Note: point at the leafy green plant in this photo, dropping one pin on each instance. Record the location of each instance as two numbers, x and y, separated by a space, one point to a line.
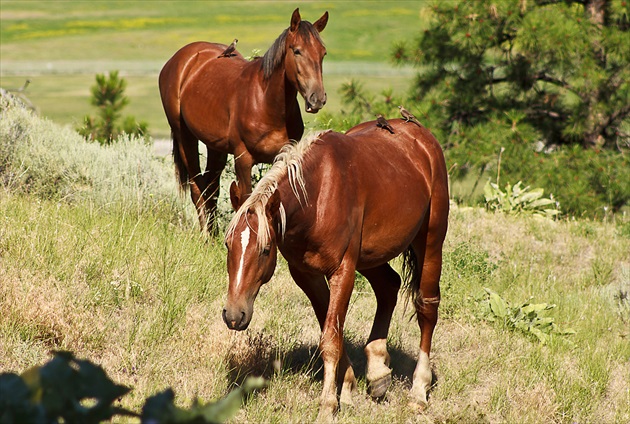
519 200
161 409
71 390
66 388
108 96
527 318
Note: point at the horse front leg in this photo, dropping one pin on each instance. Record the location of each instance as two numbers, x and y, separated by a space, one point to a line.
243 163
337 371
316 289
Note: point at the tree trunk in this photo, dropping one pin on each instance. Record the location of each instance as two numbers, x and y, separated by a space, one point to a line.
597 11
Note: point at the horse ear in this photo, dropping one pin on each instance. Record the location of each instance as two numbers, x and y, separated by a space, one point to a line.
235 196
320 24
273 204
295 19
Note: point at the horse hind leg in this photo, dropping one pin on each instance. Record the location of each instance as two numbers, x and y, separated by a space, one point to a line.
212 178
428 250
186 156
386 284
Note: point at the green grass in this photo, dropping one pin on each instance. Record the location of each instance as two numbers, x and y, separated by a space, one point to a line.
99 254
361 30
60 46
142 297
127 281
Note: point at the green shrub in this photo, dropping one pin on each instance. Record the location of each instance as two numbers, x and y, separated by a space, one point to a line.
108 96
519 200
49 161
586 182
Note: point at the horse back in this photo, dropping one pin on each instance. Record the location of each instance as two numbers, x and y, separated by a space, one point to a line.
186 64
411 157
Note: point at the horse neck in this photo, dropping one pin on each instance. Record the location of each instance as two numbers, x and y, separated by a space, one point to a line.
293 210
278 90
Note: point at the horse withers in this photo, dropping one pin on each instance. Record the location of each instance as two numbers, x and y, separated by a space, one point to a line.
336 203
245 108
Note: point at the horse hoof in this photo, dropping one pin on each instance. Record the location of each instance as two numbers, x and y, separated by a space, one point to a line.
325 416
346 398
418 405
378 388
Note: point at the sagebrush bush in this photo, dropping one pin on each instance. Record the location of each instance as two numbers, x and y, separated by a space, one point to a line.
49 161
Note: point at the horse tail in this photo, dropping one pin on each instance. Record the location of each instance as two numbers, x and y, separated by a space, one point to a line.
180 167
411 277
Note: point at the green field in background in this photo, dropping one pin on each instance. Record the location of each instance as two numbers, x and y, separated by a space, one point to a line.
61 45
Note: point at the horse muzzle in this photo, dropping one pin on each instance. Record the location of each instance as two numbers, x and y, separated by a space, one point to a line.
237 318
314 102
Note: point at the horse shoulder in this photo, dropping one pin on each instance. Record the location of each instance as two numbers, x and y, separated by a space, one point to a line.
320 234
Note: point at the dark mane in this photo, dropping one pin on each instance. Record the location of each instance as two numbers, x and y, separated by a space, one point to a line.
275 55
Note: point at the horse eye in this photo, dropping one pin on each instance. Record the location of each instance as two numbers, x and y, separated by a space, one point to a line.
266 251
297 52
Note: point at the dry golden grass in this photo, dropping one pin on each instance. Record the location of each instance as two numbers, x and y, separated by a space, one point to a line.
152 320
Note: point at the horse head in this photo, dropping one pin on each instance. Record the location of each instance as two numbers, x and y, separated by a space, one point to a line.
304 54
251 258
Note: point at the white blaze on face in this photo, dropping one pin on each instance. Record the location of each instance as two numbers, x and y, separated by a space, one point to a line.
244 244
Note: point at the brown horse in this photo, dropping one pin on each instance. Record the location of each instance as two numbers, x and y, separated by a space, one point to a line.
334 204
245 108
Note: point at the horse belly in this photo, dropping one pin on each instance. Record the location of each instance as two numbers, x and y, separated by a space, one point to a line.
392 219
381 245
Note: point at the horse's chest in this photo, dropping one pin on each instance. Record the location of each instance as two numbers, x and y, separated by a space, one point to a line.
264 145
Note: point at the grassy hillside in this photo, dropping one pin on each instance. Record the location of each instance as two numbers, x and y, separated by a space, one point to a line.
115 270
61 45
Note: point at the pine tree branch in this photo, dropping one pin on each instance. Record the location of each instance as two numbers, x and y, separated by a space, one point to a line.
545 112
598 130
543 76
619 114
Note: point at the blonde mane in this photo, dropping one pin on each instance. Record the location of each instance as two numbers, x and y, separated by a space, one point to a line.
288 162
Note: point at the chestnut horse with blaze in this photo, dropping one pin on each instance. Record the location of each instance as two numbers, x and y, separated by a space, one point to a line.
245 108
335 203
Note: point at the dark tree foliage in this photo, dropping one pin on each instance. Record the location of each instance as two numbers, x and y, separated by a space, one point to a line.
546 82
560 67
